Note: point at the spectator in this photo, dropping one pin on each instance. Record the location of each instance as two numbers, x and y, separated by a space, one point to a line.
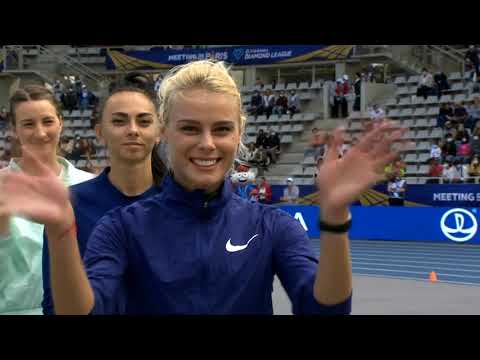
396 191
475 143
450 173
464 151
371 74
474 168
259 83
261 140
272 146
460 113
58 90
394 169
461 134
66 147
78 87
376 113
250 153
435 171
268 102
264 191
472 56
445 115
426 84
79 148
436 151
449 149
293 103
291 193
317 143
451 128
70 100
348 95
261 144
281 104
3 118
338 99
84 99
473 114
441 83
357 86
462 171
256 104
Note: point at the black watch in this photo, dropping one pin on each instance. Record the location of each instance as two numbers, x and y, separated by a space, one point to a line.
336 229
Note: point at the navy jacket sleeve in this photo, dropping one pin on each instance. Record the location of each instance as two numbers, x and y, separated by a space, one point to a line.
296 266
105 262
47 302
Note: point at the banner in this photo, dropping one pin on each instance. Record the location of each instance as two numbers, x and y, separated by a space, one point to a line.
240 55
431 224
444 195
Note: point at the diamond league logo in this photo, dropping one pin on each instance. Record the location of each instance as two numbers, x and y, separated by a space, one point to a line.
459 225
238 54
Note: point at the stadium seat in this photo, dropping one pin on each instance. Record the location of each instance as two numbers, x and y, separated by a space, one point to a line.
292 86
446 99
304 86
414 79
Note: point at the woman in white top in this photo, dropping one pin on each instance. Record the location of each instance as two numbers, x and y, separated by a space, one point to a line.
37 123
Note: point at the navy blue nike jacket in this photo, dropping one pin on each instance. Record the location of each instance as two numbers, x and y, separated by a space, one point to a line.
176 253
91 200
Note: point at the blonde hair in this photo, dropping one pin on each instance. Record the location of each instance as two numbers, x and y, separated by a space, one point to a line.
206 74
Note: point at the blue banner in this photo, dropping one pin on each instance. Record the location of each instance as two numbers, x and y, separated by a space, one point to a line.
431 224
240 55
445 195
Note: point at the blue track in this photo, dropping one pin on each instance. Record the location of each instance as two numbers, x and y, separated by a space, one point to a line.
453 263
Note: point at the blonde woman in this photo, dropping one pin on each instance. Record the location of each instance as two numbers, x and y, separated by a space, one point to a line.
197 248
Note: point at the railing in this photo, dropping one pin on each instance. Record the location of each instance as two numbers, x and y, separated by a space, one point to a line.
74 65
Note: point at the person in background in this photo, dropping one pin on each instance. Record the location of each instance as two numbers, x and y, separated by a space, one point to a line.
293 103
291 193
268 102
281 104
426 84
436 151
474 168
264 191
357 86
256 104
37 122
396 191
435 171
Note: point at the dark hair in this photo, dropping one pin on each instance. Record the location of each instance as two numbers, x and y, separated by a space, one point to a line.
33 93
141 84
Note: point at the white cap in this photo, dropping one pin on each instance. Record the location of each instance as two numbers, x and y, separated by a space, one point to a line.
290 180
345 77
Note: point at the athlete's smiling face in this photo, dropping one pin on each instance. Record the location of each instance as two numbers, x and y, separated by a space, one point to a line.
203 136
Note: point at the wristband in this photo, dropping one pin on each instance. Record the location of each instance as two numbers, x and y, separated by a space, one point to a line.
336 229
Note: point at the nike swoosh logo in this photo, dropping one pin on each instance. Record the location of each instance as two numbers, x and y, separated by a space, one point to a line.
234 248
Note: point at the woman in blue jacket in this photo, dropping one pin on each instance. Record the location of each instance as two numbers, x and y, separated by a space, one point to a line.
196 248
130 129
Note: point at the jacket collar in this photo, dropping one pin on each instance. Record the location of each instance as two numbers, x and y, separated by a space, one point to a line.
196 203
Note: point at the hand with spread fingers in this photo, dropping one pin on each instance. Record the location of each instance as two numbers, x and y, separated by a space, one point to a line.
42 197
341 181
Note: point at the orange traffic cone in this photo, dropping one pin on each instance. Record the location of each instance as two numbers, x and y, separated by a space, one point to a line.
433 277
